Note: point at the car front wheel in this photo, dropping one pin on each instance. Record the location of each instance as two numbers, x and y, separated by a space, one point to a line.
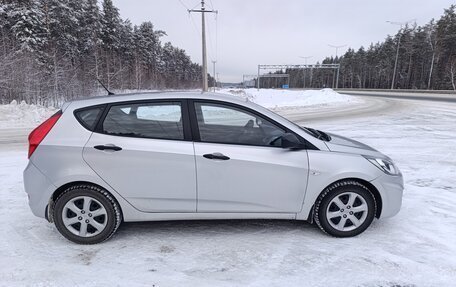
345 209
86 214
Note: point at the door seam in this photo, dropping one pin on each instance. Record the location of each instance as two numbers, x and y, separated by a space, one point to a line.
196 178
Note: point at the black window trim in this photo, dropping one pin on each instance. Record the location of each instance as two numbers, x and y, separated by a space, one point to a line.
195 128
189 120
75 114
184 111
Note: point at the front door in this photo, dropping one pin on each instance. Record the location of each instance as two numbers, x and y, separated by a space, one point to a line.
141 152
240 168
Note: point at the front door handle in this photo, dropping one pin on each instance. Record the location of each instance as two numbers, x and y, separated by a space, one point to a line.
108 147
216 155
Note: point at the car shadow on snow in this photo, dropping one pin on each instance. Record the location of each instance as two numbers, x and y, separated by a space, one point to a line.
215 227
237 227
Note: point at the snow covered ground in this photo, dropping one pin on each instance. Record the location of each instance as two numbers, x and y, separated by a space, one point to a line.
23 115
274 99
415 248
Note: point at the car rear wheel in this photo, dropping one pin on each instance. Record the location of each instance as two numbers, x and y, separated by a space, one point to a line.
345 209
86 214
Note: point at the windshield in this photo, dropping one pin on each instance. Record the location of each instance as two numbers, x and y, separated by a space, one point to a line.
313 132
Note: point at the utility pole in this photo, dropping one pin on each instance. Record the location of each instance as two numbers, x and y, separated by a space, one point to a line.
215 80
304 70
400 24
203 30
335 85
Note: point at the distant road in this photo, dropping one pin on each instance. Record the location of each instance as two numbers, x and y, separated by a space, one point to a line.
421 96
14 137
366 107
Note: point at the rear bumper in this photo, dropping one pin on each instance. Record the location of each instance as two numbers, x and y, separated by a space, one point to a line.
391 189
36 186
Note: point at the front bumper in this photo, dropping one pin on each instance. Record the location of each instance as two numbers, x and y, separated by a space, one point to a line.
37 187
391 189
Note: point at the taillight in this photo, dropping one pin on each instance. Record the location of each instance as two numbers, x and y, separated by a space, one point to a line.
38 134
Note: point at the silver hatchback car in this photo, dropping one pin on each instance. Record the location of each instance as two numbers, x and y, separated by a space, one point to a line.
182 156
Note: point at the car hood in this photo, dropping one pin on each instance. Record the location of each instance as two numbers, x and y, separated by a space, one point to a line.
343 144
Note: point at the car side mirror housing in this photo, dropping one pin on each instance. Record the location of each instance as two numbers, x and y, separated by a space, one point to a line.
291 141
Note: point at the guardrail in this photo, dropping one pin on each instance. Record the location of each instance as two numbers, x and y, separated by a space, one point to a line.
449 92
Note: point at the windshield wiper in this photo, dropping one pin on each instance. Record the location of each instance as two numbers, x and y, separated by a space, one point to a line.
325 135
314 132
319 134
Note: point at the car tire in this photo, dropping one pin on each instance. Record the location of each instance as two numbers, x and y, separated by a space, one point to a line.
345 209
86 214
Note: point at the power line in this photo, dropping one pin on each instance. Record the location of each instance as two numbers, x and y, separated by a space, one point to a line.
210 31
212 5
194 6
183 4
211 47
216 36
191 19
195 26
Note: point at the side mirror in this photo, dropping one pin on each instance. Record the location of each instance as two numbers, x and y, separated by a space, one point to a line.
291 141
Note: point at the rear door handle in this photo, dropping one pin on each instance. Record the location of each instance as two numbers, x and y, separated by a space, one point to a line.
216 155
108 147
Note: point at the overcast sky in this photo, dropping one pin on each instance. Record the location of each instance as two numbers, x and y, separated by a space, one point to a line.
252 32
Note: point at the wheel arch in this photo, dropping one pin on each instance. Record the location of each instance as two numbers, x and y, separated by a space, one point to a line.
370 186
62 188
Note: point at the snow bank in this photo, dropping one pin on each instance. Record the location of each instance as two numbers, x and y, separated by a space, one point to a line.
23 114
271 98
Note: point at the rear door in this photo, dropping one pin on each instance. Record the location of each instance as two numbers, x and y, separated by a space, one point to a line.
240 168
144 151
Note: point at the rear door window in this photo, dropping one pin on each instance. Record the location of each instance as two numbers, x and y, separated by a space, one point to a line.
145 120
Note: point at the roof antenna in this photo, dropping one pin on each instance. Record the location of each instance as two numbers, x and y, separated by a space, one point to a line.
109 92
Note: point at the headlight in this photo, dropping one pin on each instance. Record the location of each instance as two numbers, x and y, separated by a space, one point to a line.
386 165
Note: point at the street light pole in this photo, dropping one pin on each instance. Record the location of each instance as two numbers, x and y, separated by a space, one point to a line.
215 80
258 78
336 47
400 24
304 70
335 85
396 60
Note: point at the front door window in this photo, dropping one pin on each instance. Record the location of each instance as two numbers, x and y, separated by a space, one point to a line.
218 123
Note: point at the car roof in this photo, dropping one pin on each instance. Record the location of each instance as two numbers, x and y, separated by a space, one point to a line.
98 100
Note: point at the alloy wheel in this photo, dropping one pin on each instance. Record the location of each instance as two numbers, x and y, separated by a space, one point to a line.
84 216
347 211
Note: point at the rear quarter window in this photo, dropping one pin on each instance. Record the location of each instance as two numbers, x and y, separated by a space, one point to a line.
88 117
